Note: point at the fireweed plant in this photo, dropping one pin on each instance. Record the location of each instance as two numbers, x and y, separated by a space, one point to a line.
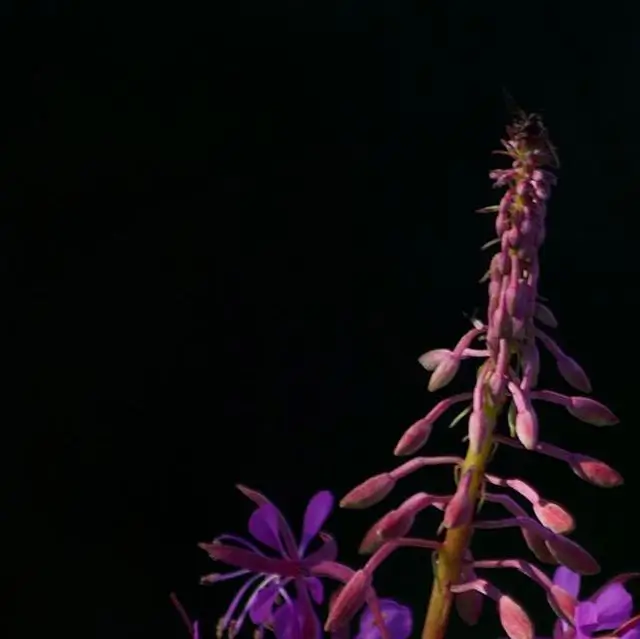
283 578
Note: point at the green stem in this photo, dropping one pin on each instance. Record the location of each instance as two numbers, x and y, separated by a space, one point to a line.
455 544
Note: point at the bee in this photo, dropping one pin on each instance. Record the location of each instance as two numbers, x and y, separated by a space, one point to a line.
530 127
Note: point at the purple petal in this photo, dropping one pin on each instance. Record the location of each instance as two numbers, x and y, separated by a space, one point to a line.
261 610
586 618
309 622
318 509
632 634
568 580
398 619
315 588
285 622
264 525
259 499
614 606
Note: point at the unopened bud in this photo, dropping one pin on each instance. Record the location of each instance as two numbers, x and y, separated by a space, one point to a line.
347 604
554 517
369 492
459 510
414 438
573 373
595 471
444 372
572 555
527 428
431 359
514 619
397 524
590 411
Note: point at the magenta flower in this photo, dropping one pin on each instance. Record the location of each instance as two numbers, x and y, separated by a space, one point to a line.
282 585
607 609
269 578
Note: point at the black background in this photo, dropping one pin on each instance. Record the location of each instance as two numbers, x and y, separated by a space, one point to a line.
226 235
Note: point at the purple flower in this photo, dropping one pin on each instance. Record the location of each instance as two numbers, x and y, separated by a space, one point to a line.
398 618
607 609
281 587
267 591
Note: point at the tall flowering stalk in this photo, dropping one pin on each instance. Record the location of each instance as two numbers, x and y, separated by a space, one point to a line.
507 347
284 585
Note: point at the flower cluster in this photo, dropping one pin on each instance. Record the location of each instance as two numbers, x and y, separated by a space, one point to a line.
507 346
284 585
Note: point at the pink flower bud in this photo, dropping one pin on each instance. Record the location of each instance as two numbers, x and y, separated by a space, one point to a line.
595 471
369 492
431 359
590 411
397 524
527 428
554 517
372 540
444 372
570 370
347 604
514 619
571 555
573 374
417 435
459 510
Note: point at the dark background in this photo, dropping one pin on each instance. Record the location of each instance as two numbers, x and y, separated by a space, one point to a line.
226 235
